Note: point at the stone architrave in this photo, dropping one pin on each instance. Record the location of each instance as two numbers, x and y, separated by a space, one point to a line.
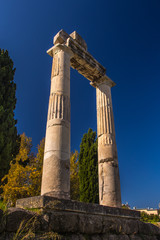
108 171
56 165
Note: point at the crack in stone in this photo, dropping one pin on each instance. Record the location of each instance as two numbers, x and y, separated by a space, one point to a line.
109 160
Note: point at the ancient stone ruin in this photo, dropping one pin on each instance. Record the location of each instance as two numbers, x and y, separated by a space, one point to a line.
59 217
71 50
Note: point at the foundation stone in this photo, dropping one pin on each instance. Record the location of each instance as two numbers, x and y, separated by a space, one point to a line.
66 220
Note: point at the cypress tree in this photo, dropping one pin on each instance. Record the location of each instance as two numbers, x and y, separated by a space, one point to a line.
8 130
74 176
88 168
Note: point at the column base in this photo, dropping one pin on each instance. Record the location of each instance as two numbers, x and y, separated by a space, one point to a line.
58 195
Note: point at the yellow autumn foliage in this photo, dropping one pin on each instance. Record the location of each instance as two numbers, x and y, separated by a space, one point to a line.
25 174
36 171
24 177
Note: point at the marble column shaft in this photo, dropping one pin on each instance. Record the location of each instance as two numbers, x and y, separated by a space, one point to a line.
56 165
108 171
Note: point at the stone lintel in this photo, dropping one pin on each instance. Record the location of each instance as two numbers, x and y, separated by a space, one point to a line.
104 79
60 37
82 60
57 48
51 203
79 39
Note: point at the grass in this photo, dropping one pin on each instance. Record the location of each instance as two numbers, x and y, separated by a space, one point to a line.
36 210
157 224
149 218
25 230
50 236
3 206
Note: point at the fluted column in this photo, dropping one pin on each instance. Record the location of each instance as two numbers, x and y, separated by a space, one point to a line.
56 165
108 171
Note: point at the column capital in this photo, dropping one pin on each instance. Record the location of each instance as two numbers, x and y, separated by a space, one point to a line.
59 47
103 80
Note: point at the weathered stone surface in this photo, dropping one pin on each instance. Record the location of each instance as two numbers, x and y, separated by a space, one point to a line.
8 236
89 224
96 237
136 237
105 79
119 225
61 37
84 63
116 237
63 225
47 236
72 49
2 221
111 225
148 229
124 237
44 221
129 226
105 236
63 222
47 202
82 60
82 237
154 229
16 216
108 172
3 236
71 219
79 39
110 237
56 164
142 237
149 237
74 237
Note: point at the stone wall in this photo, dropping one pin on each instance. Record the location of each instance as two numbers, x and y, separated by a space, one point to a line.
64 220
61 225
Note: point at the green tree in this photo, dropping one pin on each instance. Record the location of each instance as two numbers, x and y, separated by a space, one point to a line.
8 130
74 176
152 218
88 168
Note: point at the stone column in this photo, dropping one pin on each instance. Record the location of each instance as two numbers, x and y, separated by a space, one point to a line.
56 165
108 171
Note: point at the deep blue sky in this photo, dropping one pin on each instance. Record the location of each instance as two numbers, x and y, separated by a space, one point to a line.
124 36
